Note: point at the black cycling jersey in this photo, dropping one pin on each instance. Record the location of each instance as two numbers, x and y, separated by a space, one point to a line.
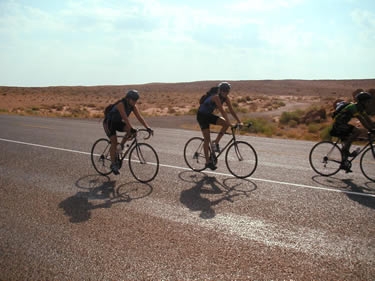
115 115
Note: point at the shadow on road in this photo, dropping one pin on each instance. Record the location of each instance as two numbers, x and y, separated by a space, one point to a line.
98 192
348 186
363 200
207 192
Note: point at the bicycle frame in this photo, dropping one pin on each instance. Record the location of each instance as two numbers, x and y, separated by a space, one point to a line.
370 143
232 140
123 154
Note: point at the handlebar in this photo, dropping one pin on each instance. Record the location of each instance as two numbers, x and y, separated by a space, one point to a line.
148 131
144 133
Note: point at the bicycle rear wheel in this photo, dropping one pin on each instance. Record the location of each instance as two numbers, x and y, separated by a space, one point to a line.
325 158
100 156
143 162
367 164
241 159
194 154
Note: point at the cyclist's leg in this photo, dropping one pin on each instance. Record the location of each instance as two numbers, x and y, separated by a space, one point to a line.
353 134
110 131
113 127
207 140
127 136
112 149
224 127
204 124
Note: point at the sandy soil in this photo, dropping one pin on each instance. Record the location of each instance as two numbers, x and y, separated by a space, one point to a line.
261 98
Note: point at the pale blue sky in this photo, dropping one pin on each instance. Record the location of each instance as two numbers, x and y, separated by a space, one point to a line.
119 42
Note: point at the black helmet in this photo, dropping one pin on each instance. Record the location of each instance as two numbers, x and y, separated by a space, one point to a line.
363 96
132 94
224 86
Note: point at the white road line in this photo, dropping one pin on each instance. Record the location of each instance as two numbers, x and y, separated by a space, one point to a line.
208 172
46 146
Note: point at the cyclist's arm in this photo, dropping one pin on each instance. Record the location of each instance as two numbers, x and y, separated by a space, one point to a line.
140 117
230 107
366 121
219 105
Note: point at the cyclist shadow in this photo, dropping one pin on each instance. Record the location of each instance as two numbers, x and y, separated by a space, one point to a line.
350 186
208 192
97 192
369 188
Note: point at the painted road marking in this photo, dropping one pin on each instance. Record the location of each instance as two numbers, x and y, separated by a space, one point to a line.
208 172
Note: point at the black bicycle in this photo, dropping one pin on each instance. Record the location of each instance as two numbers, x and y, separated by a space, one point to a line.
326 158
240 158
143 159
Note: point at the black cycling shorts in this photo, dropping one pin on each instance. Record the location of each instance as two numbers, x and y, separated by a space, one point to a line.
205 120
110 127
341 130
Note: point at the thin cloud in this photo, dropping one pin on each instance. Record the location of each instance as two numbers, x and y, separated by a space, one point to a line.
262 5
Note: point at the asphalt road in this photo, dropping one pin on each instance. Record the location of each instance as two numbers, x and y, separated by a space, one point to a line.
59 220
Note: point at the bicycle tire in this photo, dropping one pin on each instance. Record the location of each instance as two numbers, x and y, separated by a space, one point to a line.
194 154
367 164
100 156
241 159
325 158
143 162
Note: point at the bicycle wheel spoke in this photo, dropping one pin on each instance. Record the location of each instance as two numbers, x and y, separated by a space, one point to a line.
325 158
143 162
241 159
100 156
194 154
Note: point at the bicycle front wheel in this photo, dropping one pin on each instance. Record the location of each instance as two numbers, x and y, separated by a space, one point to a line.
100 156
367 164
143 162
241 159
194 154
325 158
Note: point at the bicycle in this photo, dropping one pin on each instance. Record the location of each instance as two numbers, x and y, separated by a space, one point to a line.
326 157
143 159
241 158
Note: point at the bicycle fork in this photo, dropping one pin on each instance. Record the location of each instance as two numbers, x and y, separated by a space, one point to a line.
140 155
239 156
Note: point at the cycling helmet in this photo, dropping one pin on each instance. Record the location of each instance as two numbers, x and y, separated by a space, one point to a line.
224 86
363 96
132 94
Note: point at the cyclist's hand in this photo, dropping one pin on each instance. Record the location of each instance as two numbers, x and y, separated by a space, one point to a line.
150 131
133 131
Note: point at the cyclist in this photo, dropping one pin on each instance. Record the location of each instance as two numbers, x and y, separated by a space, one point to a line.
214 99
117 120
348 133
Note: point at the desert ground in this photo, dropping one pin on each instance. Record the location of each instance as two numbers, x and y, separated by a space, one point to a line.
277 108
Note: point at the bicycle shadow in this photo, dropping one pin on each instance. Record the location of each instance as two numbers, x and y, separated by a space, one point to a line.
367 189
97 192
348 185
207 192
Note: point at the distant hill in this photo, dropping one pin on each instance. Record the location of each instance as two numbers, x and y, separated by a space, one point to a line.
257 87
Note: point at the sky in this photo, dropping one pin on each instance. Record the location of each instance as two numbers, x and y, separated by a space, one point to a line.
123 42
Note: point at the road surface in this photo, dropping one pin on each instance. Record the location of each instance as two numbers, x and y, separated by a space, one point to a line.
59 220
